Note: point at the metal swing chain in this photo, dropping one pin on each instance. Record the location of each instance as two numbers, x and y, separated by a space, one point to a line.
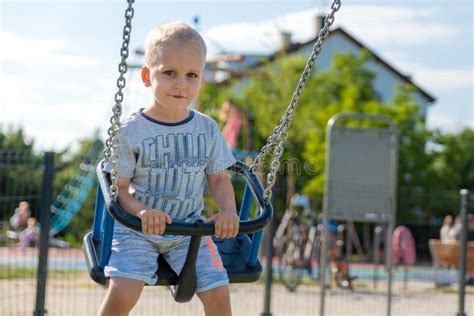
276 141
112 143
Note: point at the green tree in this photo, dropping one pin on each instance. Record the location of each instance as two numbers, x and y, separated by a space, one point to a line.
14 138
450 167
454 162
346 86
20 172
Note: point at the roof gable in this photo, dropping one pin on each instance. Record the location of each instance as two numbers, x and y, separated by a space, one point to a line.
406 79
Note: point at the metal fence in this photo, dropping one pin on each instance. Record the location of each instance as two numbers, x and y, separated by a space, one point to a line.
18 266
70 291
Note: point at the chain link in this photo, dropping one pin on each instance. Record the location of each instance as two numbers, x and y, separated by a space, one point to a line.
112 142
276 141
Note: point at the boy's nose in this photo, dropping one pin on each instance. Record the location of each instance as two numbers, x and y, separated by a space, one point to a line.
180 82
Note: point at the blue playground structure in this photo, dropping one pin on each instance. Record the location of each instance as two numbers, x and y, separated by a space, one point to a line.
75 192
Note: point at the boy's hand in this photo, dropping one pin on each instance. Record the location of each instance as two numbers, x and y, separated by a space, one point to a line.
153 221
226 224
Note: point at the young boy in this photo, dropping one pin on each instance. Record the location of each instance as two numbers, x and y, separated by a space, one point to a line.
167 152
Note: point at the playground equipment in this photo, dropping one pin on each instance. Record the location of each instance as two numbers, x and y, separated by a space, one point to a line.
75 192
363 187
403 245
239 254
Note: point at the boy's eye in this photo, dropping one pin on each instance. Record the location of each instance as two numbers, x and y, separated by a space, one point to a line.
169 72
192 75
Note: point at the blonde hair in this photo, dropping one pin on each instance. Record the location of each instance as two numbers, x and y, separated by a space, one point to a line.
176 33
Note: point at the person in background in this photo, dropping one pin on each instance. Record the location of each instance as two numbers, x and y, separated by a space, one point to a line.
455 231
446 228
30 236
470 237
470 227
20 217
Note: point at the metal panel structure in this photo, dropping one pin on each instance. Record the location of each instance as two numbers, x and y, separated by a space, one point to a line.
360 180
360 186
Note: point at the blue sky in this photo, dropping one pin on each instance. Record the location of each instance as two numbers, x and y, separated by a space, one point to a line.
58 62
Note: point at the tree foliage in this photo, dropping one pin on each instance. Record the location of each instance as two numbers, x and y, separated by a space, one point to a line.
20 174
346 86
454 161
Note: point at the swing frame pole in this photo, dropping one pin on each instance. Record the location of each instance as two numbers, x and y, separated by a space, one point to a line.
44 217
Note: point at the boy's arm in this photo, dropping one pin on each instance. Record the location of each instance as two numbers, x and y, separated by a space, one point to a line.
226 220
153 221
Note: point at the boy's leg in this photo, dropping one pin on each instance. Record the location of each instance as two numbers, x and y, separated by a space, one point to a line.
212 281
121 296
132 263
216 301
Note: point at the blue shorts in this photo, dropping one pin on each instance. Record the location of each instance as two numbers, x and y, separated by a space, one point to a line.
134 256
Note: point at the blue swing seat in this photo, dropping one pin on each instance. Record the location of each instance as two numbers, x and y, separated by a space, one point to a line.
239 255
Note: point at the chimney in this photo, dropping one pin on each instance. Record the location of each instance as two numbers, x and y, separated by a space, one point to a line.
318 23
285 37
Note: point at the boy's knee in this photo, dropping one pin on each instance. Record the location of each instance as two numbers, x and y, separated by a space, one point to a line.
121 297
117 304
216 300
215 293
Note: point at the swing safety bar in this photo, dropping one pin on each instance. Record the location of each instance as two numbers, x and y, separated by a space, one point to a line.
192 229
239 255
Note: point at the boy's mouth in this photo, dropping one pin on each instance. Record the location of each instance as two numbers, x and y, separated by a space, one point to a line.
178 96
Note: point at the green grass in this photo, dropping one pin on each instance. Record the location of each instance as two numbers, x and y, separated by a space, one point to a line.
453 290
9 273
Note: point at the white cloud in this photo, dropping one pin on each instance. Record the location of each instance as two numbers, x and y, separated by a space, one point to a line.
449 124
246 37
55 127
45 51
375 25
445 79
403 25
50 120
439 79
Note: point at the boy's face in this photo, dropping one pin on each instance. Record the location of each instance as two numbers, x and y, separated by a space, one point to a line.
176 77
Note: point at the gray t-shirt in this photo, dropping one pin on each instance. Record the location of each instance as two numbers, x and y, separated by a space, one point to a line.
167 163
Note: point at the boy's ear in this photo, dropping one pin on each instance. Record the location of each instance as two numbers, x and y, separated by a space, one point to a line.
145 72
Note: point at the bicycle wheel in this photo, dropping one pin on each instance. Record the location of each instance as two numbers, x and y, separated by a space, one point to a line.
289 270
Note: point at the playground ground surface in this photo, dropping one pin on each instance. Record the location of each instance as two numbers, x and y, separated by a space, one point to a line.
71 292
79 296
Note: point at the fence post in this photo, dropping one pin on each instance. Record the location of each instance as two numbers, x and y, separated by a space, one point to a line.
270 231
44 218
462 253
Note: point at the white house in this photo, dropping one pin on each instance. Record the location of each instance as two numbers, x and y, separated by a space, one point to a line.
220 68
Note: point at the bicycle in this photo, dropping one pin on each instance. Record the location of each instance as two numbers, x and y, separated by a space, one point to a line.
296 241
